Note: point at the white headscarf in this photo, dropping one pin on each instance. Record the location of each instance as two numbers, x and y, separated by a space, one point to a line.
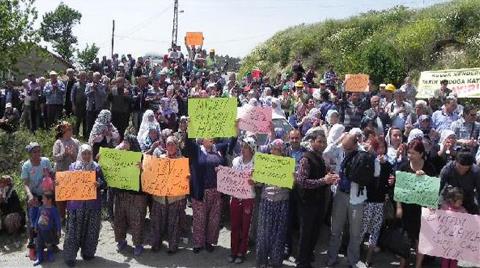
84 165
414 134
277 112
146 125
335 133
328 117
102 123
445 134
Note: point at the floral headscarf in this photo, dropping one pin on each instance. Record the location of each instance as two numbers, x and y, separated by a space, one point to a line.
102 123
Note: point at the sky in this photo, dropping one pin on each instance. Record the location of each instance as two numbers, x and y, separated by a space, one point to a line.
232 27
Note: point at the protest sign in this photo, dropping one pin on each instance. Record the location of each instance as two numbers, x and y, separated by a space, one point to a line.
120 168
356 82
463 82
413 189
274 170
75 185
194 38
450 235
165 177
235 183
212 118
256 119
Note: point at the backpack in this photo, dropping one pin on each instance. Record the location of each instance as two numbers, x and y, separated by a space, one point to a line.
360 168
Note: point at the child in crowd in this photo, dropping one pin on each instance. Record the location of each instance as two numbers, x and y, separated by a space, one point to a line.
47 226
453 201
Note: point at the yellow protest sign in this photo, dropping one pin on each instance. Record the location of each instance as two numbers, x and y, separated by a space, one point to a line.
463 82
165 177
356 82
212 118
274 170
75 185
194 38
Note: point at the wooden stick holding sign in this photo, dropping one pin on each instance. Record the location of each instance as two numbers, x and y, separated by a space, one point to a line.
75 185
165 176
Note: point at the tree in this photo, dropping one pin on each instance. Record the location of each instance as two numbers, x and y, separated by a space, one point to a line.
16 30
86 56
56 28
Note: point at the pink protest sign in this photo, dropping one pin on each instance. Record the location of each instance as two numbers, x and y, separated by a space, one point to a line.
235 183
256 120
450 235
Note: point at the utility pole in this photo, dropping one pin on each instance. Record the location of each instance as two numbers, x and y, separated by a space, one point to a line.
113 37
175 23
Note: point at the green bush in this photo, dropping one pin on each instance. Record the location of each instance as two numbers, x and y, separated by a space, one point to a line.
386 44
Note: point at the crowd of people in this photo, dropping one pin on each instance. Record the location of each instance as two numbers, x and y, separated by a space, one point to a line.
346 146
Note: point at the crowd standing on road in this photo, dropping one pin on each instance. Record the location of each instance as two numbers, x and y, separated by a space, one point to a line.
347 147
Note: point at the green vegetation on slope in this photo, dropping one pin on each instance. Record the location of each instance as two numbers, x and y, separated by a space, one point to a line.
388 44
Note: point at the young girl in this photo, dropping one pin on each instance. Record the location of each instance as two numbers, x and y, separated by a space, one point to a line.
453 201
272 219
47 226
376 192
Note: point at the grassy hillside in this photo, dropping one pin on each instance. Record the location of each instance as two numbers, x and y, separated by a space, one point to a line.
386 44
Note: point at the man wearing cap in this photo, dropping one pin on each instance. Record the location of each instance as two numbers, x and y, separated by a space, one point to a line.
443 119
55 93
9 121
464 174
386 94
398 110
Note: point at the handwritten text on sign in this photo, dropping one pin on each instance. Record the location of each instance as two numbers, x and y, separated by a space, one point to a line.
413 189
75 185
212 118
450 235
356 82
165 177
274 170
121 168
256 120
194 38
235 183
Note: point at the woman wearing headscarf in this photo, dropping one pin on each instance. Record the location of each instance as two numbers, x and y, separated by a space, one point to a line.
167 211
34 170
396 150
12 217
130 208
151 141
65 151
277 111
148 121
104 133
83 217
331 119
446 148
272 219
312 181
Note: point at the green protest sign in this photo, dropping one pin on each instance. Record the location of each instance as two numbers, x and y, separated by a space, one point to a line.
413 189
120 168
274 170
212 118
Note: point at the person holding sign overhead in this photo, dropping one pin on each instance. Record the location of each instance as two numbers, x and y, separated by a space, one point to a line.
410 214
272 219
312 181
130 207
83 217
167 210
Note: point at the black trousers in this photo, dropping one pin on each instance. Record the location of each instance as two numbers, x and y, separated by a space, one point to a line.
310 220
91 117
80 119
121 120
54 113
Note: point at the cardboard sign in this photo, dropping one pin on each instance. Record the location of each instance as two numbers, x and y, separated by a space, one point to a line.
75 185
463 82
234 183
356 82
413 189
194 38
165 177
256 119
120 168
212 118
274 170
450 235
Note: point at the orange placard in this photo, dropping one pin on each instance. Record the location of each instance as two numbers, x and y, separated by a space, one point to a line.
356 82
75 185
194 38
165 177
